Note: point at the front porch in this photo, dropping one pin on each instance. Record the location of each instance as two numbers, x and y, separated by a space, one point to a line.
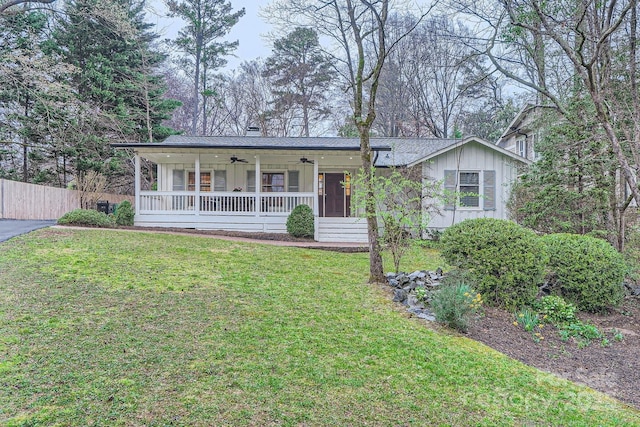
249 191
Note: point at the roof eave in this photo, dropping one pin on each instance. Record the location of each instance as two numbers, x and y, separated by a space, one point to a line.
464 142
242 147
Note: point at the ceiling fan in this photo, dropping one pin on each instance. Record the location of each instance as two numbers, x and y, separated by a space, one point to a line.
236 159
305 160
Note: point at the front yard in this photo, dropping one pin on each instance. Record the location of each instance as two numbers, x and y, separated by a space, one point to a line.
118 328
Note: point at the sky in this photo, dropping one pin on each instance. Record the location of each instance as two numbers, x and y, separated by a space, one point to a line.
249 31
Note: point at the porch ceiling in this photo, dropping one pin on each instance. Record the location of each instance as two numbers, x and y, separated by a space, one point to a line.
223 157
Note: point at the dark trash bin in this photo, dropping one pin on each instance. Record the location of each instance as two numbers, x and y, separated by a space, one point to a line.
103 206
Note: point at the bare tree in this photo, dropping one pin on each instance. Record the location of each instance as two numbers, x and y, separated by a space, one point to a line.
361 45
4 6
593 45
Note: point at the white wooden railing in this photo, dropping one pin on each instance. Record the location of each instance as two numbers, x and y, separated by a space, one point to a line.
222 203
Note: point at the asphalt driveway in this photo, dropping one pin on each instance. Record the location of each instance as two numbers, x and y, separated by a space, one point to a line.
14 227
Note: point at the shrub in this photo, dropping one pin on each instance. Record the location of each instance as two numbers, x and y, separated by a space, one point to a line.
300 222
86 217
505 260
124 214
586 271
454 304
556 310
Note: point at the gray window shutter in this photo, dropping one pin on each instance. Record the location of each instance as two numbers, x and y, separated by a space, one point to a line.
450 185
489 190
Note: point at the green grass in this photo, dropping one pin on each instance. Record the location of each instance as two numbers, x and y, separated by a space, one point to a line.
112 328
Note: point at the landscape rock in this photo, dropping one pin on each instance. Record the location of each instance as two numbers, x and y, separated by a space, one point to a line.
414 302
399 295
405 285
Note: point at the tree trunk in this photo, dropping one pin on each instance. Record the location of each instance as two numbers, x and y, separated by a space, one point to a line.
196 86
376 272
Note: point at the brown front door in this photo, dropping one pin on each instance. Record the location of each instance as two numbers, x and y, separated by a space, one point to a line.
334 203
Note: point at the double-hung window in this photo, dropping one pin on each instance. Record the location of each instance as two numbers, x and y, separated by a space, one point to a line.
272 182
470 189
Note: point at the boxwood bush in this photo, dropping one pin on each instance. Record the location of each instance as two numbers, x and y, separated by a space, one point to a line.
505 260
87 217
586 271
300 222
124 214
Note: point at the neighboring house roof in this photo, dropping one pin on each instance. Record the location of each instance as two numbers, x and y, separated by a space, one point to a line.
516 125
264 143
407 152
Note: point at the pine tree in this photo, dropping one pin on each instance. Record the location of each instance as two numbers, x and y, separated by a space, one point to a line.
301 75
203 52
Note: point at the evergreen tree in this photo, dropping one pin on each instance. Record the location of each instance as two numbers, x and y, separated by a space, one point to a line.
572 187
203 52
301 76
33 91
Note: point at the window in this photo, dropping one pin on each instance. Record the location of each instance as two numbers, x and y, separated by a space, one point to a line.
178 180
205 181
251 181
273 182
220 180
521 146
294 181
469 189
464 189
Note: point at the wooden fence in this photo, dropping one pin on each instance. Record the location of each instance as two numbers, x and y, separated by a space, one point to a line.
19 200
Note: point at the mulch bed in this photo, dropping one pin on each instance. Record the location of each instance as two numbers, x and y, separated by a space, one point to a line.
612 369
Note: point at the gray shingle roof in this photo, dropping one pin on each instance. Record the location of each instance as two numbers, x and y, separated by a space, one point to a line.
394 151
264 143
405 151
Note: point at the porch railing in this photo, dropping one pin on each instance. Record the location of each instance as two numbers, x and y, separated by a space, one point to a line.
222 203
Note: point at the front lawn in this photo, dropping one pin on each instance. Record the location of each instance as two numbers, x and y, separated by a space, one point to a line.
109 328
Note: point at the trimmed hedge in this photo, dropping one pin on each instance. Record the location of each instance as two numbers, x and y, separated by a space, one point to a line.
124 214
505 261
300 222
586 271
87 217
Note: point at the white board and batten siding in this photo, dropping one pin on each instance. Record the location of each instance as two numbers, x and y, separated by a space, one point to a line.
496 172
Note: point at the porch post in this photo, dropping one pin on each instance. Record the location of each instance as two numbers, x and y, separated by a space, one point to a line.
316 209
197 201
137 183
258 182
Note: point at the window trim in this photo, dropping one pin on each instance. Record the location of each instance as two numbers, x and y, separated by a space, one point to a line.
459 190
284 181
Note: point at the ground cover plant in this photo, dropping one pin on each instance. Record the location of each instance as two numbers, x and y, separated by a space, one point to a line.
104 327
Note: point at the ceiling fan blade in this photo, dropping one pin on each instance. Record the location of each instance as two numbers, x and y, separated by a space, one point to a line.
305 160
